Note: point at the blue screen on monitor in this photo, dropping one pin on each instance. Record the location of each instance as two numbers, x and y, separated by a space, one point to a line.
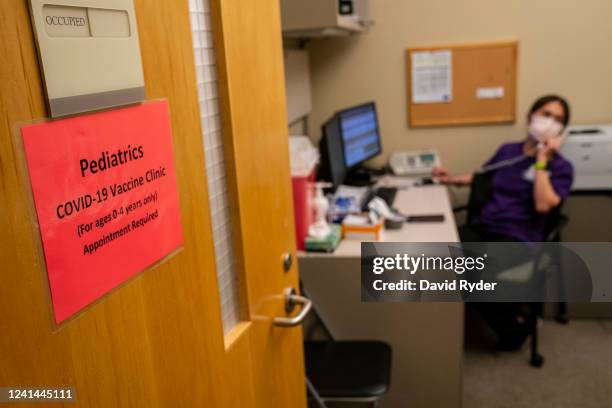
360 136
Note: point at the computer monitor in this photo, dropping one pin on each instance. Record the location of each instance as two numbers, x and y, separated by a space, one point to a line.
332 167
360 134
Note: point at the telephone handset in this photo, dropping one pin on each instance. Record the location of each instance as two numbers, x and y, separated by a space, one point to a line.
413 163
542 145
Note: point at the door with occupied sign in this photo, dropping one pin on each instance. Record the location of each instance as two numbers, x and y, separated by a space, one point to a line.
154 336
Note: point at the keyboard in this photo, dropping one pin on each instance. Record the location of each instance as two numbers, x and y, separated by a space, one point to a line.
386 193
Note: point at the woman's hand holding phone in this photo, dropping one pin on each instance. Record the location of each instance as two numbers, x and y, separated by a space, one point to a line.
549 148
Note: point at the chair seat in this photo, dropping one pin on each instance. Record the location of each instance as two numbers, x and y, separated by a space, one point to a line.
348 369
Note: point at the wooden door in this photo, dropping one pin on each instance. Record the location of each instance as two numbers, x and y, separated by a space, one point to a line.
158 340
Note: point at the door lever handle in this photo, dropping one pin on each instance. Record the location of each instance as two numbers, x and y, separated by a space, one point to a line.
291 300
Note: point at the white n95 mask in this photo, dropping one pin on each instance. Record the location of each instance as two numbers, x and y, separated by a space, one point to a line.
543 128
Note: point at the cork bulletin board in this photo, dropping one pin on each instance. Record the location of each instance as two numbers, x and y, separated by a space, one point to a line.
469 84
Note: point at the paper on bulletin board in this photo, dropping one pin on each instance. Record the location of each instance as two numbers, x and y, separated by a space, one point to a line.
490 92
432 76
105 194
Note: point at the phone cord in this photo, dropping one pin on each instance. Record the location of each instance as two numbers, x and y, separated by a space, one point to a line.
502 164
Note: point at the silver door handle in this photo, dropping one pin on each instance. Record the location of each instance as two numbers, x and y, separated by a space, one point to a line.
292 299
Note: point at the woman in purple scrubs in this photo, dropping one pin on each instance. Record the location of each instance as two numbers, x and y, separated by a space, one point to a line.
529 179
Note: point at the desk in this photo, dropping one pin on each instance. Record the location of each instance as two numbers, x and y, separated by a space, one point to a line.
427 338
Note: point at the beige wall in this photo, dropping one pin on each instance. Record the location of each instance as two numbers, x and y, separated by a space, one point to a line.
565 47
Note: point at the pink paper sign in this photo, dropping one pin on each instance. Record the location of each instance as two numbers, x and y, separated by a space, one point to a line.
105 193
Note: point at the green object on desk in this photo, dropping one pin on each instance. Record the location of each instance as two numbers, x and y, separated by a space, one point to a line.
327 244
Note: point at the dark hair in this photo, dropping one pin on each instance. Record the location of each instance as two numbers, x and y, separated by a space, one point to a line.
545 100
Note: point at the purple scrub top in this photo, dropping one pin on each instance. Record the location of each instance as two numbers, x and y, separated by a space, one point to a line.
511 209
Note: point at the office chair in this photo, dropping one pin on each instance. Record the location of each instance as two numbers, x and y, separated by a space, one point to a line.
480 191
347 372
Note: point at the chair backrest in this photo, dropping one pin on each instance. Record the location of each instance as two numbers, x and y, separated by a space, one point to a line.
480 191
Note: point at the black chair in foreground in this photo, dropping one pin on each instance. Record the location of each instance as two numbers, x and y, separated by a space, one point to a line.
348 371
480 191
